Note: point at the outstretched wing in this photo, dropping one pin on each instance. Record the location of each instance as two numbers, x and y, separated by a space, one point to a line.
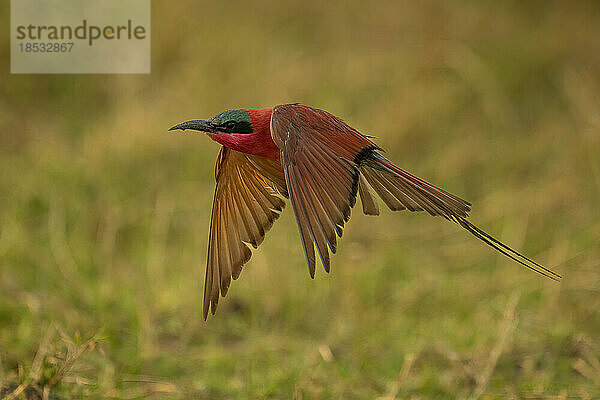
245 205
317 155
326 162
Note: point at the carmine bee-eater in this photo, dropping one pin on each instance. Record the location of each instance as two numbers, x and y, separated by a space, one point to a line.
320 163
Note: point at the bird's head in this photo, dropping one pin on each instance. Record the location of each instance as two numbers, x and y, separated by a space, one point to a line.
245 130
228 122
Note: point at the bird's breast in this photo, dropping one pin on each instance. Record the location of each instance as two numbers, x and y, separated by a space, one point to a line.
250 143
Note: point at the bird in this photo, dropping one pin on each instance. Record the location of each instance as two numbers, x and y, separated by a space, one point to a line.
321 164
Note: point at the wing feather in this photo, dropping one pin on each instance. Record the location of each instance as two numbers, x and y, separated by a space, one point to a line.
245 205
324 212
306 204
302 221
317 153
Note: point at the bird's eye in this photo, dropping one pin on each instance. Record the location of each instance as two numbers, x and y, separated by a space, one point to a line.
230 125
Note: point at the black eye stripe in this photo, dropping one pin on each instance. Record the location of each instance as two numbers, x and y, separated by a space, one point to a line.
228 126
235 127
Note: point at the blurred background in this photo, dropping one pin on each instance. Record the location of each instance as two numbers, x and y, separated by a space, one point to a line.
104 215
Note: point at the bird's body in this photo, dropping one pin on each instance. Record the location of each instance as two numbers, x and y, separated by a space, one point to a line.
321 164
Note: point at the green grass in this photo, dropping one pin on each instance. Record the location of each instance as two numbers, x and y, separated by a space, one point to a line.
104 215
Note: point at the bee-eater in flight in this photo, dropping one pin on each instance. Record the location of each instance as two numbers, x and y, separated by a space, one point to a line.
321 164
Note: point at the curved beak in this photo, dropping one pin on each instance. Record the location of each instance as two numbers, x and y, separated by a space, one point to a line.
195 124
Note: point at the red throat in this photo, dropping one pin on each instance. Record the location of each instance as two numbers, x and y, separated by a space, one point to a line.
259 142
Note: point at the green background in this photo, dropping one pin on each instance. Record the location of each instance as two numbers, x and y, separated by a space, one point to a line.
104 215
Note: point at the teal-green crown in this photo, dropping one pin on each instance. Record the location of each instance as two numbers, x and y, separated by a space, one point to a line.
233 121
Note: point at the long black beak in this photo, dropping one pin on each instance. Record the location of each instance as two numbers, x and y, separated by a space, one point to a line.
195 124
